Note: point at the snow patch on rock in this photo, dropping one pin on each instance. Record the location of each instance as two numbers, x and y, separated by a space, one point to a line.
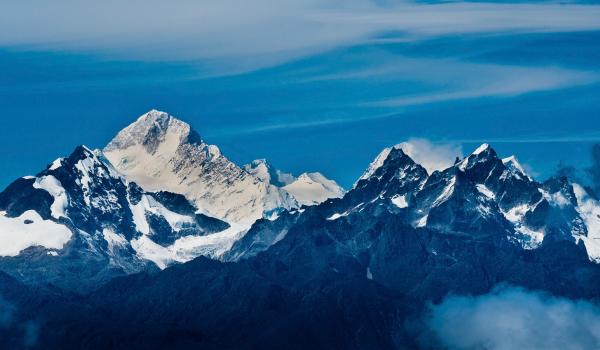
313 188
51 185
400 201
589 209
187 248
28 230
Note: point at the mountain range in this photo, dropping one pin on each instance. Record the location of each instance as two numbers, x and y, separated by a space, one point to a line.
168 198
160 241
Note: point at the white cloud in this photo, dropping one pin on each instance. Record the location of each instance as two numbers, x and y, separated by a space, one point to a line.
514 318
432 156
245 35
451 79
498 81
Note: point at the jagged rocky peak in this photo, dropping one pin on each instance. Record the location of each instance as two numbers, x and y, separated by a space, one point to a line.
486 157
513 165
152 129
482 155
377 162
392 163
84 160
393 177
264 171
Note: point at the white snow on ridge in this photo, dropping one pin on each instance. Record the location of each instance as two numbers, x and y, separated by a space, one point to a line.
589 209
313 188
187 248
148 204
531 239
28 230
446 193
376 164
139 218
56 164
261 169
485 191
113 239
336 216
534 238
422 222
481 148
400 201
514 167
51 185
91 167
516 214
556 198
465 162
431 156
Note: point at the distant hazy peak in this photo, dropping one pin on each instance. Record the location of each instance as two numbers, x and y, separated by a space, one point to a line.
313 188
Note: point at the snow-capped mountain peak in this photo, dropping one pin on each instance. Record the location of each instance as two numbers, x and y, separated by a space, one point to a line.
263 170
377 162
482 154
513 165
482 148
81 211
313 188
160 152
151 130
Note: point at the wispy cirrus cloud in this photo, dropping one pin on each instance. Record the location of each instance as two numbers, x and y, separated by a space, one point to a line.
450 79
454 80
245 35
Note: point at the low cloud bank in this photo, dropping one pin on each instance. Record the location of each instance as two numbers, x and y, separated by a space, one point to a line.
512 318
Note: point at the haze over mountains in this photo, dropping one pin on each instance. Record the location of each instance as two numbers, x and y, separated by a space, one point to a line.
160 241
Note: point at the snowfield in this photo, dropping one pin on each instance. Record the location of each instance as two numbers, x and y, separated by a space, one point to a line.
29 230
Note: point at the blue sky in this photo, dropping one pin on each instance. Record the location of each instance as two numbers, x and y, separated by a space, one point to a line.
309 85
